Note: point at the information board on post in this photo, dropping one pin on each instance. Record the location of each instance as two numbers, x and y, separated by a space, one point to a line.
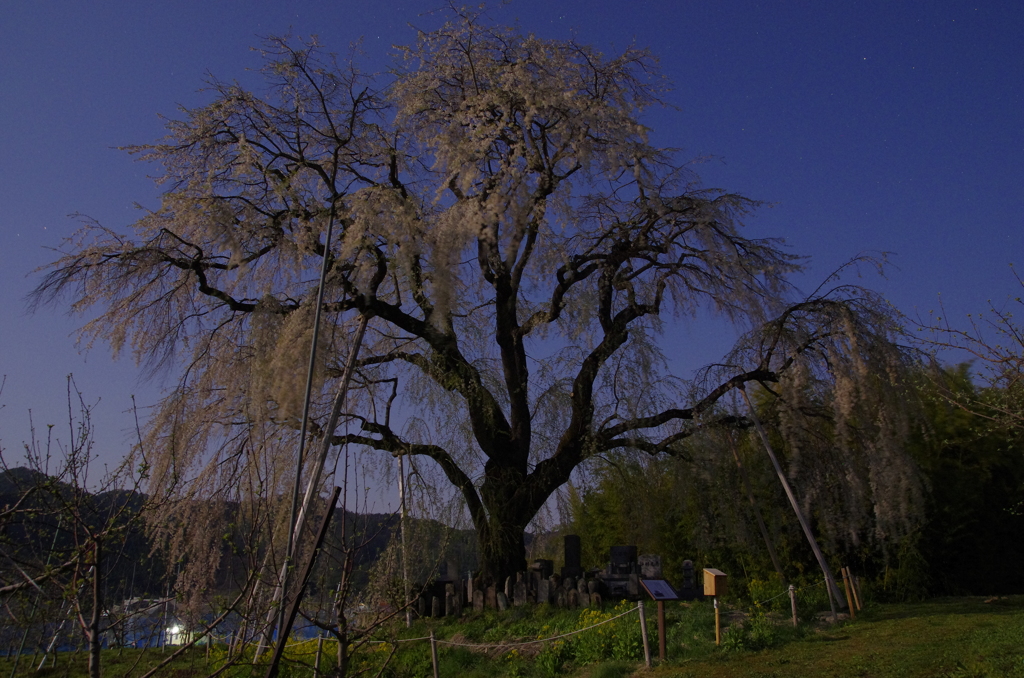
659 589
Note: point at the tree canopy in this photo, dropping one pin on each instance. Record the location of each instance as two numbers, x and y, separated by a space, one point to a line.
517 243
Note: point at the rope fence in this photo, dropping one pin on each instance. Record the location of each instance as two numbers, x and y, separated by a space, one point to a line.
539 640
849 579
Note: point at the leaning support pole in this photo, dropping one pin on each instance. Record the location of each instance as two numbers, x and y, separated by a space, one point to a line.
757 510
282 636
829 579
318 311
317 469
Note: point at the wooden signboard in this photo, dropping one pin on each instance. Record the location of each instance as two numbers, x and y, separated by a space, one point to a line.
660 590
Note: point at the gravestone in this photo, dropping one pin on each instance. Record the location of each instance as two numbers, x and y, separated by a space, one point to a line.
650 566
561 600
449 600
573 556
435 607
543 591
623 560
478 601
592 586
519 593
508 587
568 582
502 601
544 567
688 589
491 598
584 599
573 599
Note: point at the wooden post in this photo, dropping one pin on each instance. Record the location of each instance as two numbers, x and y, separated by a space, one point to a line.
792 602
433 653
854 584
831 602
718 623
643 633
661 630
849 596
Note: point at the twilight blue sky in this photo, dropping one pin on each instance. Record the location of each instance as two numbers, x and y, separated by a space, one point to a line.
871 126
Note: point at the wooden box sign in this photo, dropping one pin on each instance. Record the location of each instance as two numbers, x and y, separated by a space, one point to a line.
714 582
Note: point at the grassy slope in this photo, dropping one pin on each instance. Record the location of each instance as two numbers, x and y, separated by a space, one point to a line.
947 638
951 637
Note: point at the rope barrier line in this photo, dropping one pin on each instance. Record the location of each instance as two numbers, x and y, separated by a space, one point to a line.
398 640
515 644
539 640
786 593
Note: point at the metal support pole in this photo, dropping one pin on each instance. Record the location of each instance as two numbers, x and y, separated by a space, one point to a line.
830 581
292 537
319 653
293 609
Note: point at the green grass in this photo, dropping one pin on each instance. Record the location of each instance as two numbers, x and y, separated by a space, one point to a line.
945 638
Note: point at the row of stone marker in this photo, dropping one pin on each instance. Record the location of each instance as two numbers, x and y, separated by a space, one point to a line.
569 593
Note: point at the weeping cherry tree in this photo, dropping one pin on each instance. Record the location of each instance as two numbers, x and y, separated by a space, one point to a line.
517 243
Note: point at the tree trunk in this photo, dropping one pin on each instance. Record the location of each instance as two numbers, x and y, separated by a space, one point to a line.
502 550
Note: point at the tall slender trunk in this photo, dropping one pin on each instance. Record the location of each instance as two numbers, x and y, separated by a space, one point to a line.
97 606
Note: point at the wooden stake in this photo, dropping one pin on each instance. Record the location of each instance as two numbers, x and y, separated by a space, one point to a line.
718 622
831 602
661 630
433 653
849 596
792 602
643 633
855 585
